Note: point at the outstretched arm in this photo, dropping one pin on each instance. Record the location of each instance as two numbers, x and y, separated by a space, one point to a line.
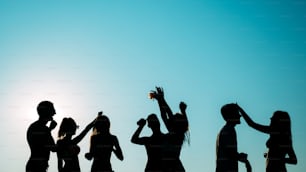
78 138
117 150
251 123
135 138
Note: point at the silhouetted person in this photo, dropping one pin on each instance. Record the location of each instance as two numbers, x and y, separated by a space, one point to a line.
177 126
154 144
67 148
102 144
40 139
279 142
226 145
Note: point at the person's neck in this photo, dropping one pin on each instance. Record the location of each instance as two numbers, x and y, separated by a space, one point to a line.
156 131
230 124
43 121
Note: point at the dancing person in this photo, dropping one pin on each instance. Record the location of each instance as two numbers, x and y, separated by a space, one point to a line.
154 144
39 138
226 145
177 126
102 144
67 148
279 143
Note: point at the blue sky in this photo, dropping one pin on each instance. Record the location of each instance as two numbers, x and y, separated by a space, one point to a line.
87 56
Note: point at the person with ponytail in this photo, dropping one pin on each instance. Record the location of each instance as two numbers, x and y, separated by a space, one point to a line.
67 148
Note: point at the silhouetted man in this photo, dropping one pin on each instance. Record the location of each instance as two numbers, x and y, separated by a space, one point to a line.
154 144
227 155
39 138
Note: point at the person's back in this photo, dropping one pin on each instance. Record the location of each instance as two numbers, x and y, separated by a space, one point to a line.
226 150
68 152
155 151
102 144
103 147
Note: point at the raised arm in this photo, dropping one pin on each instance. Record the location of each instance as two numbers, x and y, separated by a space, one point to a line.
135 138
78 138
51 143
165 111
117 150
183 107
251 123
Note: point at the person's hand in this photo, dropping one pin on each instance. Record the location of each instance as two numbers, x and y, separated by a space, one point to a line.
100 113
238 107
141 122
159 92
88 156
53 124
183 106
243 157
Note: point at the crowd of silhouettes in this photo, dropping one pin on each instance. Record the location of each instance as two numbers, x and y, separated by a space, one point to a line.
163 149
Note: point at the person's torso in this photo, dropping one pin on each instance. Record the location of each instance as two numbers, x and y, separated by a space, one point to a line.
39 140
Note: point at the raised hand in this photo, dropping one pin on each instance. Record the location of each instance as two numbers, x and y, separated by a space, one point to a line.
160 91
53 124
183 106
141 122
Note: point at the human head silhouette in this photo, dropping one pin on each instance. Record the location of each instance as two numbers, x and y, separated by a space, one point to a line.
180 123
230 113
280 122
153 122
102 124
45 110
67 127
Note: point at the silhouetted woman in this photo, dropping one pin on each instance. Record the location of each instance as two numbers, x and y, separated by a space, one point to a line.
67 148
154 144
279 143
102 144
177 126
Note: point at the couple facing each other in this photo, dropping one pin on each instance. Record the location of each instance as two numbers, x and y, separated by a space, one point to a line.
163 150
41 142
279 144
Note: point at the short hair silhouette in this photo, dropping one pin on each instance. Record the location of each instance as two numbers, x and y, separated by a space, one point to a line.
45 108
230 112
39 138
153 121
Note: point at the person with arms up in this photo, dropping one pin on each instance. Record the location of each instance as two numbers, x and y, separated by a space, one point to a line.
67 148
177 125
279 144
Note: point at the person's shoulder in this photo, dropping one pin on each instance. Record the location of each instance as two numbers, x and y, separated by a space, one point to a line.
37 126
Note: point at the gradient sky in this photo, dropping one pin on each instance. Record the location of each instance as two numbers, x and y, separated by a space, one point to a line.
87 56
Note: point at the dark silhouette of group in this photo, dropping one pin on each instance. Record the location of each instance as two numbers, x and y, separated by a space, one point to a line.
163 149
